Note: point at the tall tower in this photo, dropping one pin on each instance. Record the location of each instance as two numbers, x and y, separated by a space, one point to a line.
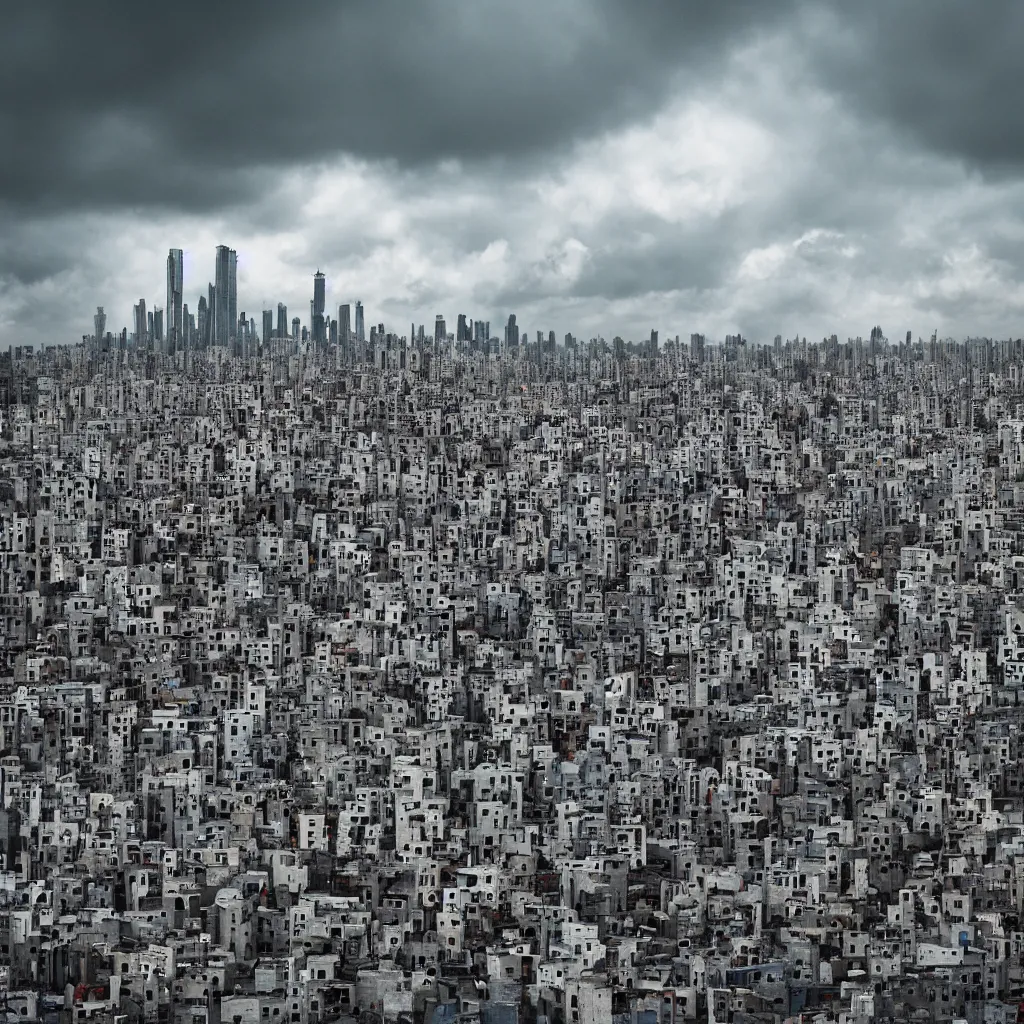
99 323
360 326
203 321
210 338
141 323
268 325
175 288
282 320
225 318
511 332
232 287
319 304
344 324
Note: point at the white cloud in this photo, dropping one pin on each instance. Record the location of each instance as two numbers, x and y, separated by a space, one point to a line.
754 203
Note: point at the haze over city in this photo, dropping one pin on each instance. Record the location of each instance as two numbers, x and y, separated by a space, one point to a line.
594 167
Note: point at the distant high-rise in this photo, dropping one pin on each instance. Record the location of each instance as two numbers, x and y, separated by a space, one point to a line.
225 317
512 332
268 325
141 322
175 291
360 326
344 325
99 323
296 326
440 330
203 321
232 286
317 322
282 320
158 325
188 327
462 328
221 331
211 316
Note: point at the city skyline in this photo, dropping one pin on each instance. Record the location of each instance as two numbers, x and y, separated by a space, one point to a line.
273 320
785 168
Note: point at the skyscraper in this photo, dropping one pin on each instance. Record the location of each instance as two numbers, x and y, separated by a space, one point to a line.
211 316
232 286
175 288
268 325
141 323
344 325
317 323
296 323
360 326
440 330
99 323
225 317
158 325
511 332
203 320
282 320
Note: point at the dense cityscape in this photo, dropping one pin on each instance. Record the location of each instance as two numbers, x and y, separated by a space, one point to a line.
463 675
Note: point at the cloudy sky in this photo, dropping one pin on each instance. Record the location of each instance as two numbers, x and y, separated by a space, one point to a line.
594 167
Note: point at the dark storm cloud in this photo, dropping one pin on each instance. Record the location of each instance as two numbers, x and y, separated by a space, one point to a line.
32 252
180 104
944 75
594 166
